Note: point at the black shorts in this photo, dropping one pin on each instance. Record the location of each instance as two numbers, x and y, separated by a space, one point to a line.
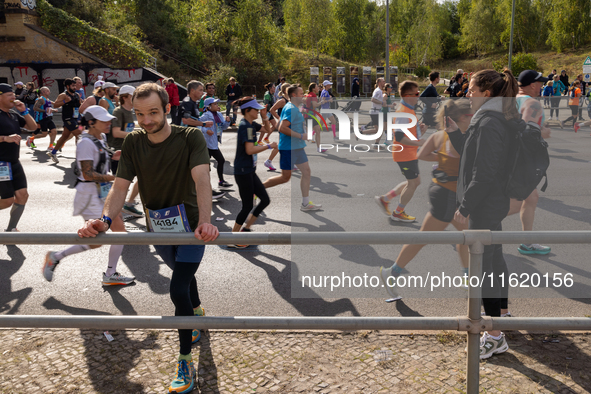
443 202
114 166
70 124
47 124
18 182
375 119
410 169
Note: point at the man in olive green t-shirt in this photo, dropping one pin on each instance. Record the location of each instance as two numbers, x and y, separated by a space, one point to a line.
172 167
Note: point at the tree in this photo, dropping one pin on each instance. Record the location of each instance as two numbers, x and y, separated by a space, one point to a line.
570 24
481 28
307 22
349 34
527 27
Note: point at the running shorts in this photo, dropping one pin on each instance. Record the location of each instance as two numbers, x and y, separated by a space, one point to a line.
287 158
410 169
89 206
47 124
71 124
443 202
18 182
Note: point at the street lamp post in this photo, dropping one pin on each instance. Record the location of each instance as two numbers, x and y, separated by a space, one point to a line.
387 41
511 39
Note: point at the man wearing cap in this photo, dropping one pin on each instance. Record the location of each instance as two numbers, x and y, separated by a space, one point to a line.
325 101
172 167
19 91
13 182
110 99
70 101
92 186
213 135
530 82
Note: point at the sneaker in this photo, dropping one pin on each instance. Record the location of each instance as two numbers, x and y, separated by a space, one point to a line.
269 165
49 266
295 168
185 378
383 204
533 249
561 123
508 314
131 210
266 141
215 194
32 145
490 346
117 280
233 246
28 143
576 126
224 184
384 275
402 217
197 333
321 150
53 156
310 207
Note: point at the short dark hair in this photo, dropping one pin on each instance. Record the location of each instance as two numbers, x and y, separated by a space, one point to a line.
68 82
433 75
193 85
407 86
292 89
209 84
145 90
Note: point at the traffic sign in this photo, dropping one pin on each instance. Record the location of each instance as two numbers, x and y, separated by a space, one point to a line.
587 61
586 69
587 77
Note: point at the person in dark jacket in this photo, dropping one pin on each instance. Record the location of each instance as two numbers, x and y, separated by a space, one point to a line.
355 105
484 151
355 87
234 92
564 80
430 97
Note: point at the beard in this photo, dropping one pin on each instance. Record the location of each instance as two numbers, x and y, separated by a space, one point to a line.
157 129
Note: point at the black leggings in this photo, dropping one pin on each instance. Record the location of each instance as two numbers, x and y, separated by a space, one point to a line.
217 155
248 185
574 109
495 297
185 297
555 100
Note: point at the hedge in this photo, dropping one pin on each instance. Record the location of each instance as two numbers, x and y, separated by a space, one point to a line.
94 41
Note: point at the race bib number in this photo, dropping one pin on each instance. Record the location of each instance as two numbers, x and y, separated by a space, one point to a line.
219 129
169 220
103 189
5 171
255 156
48 111
129 127
76 112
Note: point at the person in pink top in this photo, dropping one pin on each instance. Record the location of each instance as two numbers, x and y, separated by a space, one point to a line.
173 97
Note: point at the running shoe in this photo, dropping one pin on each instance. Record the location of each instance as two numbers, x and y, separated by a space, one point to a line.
197 333
53 156
295 168
384 275
383 204
490 346
224 184
49 266
508 314
266 141
321 150
310 207
33 146
561 123
269 165
402 217
28 143
576 126
533 249
130 209
215 194
233 246
185 378
117 280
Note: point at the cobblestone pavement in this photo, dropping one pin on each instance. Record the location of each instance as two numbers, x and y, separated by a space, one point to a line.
138 361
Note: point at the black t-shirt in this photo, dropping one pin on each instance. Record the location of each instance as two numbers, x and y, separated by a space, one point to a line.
10 123
68 108
243 162
190 108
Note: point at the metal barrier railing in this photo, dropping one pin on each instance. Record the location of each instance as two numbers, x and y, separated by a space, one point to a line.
473 323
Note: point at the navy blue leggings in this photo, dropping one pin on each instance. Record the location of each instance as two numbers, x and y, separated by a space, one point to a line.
249 185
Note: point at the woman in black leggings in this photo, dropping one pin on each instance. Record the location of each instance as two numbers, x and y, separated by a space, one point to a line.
245 163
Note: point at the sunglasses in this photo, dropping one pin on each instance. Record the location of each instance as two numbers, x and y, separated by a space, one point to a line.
412 95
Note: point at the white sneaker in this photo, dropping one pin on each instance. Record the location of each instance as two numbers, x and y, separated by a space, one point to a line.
117 279
310 207
49 266
384 275
490 346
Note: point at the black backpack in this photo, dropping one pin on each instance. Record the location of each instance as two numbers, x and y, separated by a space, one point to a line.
527 161
104 155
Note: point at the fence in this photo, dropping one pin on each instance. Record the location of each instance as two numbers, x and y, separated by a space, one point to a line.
473 323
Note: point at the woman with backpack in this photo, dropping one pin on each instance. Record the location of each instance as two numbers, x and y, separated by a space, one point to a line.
574 92
484 153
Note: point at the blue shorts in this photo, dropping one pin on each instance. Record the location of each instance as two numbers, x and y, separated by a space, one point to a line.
181 253
288 157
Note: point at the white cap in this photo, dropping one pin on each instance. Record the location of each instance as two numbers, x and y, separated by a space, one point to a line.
99 83
326 82
96 112
110 85
19 83
126 89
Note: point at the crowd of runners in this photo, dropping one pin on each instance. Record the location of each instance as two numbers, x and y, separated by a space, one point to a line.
469 147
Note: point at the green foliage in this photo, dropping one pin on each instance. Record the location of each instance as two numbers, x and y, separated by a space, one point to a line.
220 76
481 28
570 23
306 24
519 62
105 46
422 71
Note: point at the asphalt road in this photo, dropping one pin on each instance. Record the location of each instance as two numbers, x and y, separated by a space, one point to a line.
266 280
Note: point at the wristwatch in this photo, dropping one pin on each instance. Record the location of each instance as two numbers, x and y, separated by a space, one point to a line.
268 146
106 219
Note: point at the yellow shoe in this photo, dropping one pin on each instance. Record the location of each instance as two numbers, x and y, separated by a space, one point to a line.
402 217
184 378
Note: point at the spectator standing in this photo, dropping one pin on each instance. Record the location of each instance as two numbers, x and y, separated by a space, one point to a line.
173 95
431 98
557 88
19 91
30 96
564 80
547 93
551 75
234 92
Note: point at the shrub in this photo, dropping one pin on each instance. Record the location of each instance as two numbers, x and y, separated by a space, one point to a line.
519 62
422 71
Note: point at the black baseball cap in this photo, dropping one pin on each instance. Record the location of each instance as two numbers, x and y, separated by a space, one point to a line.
5 88
527 77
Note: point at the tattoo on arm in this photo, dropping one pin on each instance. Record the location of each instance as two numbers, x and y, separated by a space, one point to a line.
536 108
38 106
90 175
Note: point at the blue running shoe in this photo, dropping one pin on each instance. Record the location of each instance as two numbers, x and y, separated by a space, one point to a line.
185 378
197 333
533 249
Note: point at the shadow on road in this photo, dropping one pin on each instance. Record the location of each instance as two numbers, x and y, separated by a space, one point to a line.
7 269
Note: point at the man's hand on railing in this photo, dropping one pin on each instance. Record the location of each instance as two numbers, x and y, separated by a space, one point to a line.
206 232
92 227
